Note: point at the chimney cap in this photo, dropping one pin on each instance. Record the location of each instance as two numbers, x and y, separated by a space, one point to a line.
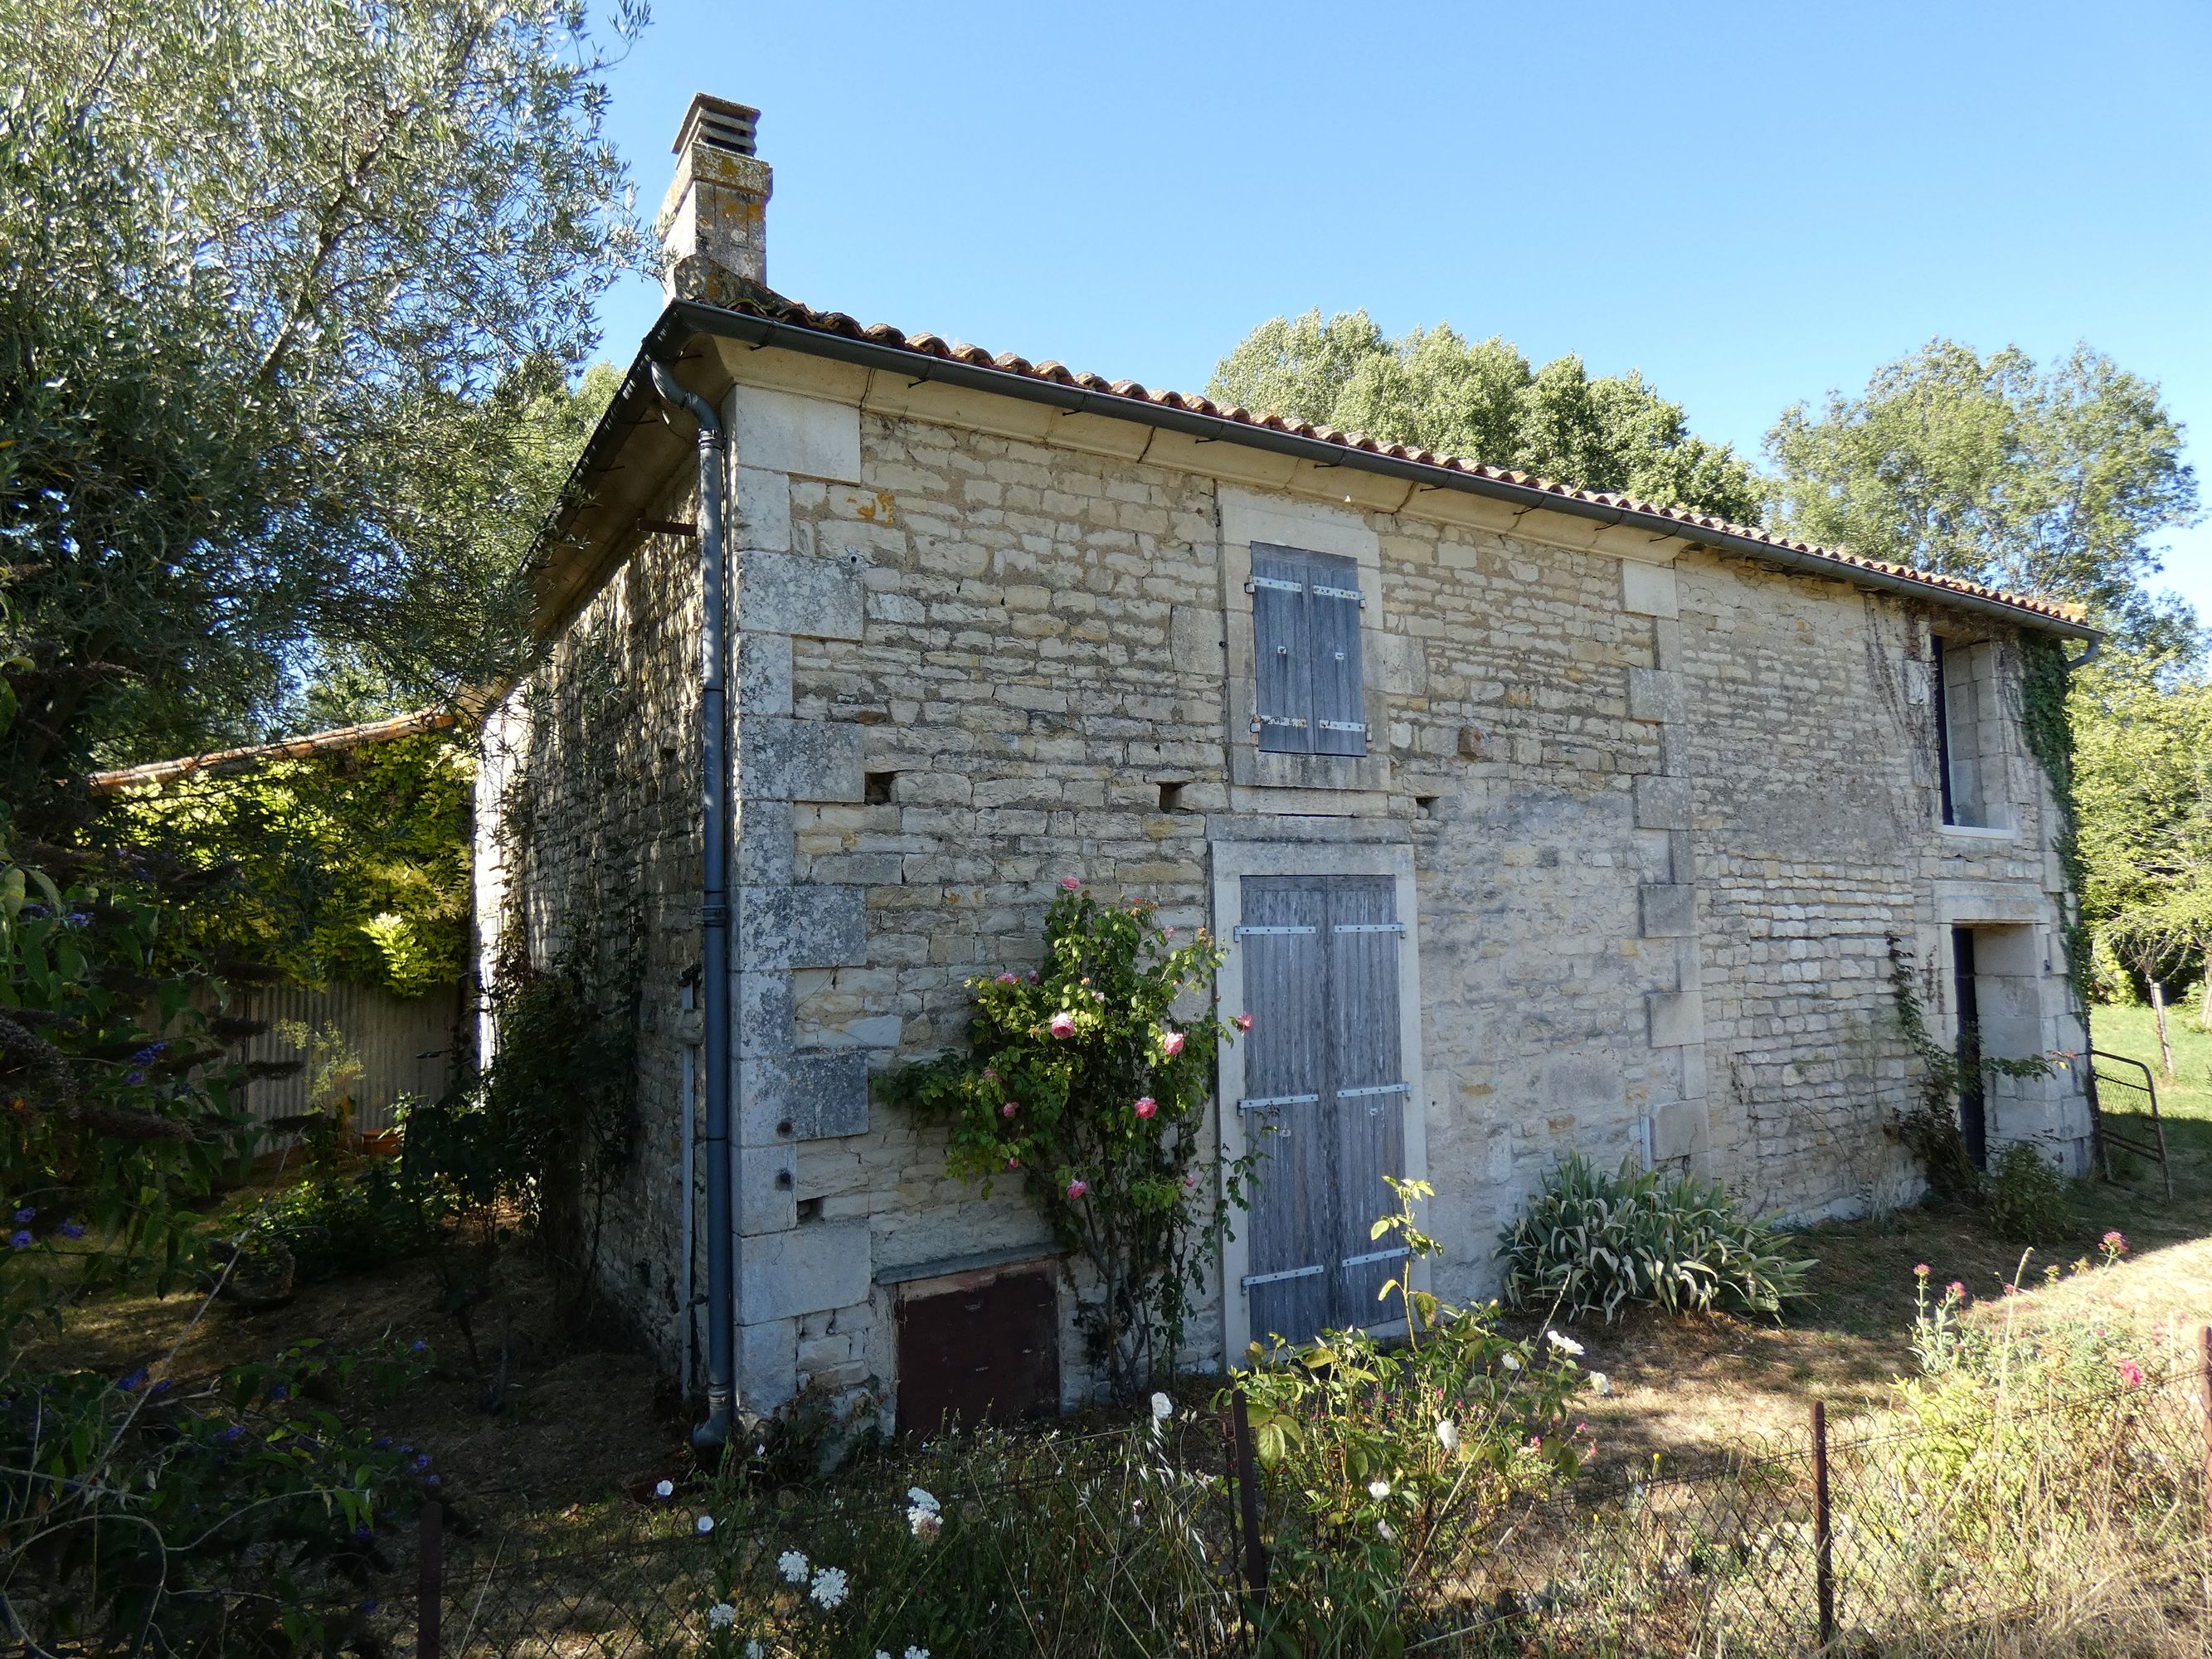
719 124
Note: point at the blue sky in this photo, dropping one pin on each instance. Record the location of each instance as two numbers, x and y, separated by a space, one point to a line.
1750 202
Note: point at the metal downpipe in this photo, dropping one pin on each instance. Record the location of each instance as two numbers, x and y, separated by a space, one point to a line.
715 919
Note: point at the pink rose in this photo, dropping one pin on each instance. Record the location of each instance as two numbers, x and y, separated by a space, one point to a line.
1008 979
1070 884
1033 976
1243 1022
1075 1189
1009 1108
1147 1107
1013 1163
1063 1024
2132 1374
1171 1044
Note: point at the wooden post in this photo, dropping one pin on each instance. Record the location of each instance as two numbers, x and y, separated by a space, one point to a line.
1248 1494
2204 1395
430 1580
1824 1542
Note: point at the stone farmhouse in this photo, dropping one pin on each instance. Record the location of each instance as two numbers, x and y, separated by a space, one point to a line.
1540 819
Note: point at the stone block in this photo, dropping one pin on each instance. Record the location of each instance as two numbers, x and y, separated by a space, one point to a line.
810 1269
1655 694
1648 590
821 1096
808 437
784 759
767 1189
761 518
1670 910
1195 637
1676 1018
1682 1128
808 926
1663 803
763 842
764 673
767 1364
814 598
763 1012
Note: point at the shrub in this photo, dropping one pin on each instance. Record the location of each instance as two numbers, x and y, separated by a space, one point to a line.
339 1226
2028 1200
1590 1242
1089 1081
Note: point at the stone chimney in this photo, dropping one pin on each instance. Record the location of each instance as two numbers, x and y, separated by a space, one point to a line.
713 225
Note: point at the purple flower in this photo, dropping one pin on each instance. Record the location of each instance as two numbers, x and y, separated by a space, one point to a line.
163 1387
278 1392
429 1480
418 1346
77 919
133 1077
234 1433
26 1214
34 911
382 1442
362 1532
147 1054
422 1460
21 1239
405 1449
131 1383
72 1229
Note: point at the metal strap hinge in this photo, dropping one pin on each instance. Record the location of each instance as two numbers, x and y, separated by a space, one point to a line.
1268 1102
1250 1280
1375 1089
1352 593
1341 726
1282 720
1373 1256
1277 583
1241 932
1369 928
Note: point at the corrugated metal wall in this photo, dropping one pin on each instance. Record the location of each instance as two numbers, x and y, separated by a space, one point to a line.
406 1045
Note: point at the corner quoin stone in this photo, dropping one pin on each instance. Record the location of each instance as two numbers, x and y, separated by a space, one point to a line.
814 599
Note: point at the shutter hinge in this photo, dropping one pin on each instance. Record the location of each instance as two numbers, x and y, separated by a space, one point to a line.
1352 593
1375 1089
1269 1103
1250 1280
1373 1256
1241 932
1339 726
1369 928
1255 584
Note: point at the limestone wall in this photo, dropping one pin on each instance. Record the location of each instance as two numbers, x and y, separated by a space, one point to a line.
1667 810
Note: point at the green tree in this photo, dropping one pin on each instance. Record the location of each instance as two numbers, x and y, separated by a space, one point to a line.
1483 399
287 289
2050 481
351 865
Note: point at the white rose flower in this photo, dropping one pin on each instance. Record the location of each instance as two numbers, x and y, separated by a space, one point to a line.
704 1524
924 1523
1163 1407
1448 1435
721 1616
1382 1531
665 1489
1510 1361
1566 1345
916 1496
829 1587
793 1566
1378 1490
1601 1381
916 1653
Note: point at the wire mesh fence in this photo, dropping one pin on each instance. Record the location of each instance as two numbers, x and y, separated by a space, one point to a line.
1165 1538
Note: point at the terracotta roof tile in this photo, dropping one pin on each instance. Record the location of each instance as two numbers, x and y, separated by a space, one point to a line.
792 313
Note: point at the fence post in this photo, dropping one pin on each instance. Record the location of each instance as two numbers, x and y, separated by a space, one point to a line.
2204 1397
1248 1493
430 1580
1824 1558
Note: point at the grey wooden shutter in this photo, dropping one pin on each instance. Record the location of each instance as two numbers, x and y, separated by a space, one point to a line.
1282 648
1289 1278
1339 700
1367 1075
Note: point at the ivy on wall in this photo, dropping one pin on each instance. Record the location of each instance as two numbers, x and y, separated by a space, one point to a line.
2045 681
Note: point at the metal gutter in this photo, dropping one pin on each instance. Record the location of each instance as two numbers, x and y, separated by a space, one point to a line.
684 319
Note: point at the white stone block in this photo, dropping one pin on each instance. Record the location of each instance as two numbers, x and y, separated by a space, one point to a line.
760 517
1648 590
814 598
1677 1017
807 437
809 1269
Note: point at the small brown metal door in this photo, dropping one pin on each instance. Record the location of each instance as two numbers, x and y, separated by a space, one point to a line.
1324 1098
982 1351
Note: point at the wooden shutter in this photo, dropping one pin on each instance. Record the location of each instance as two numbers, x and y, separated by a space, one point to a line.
1370 1088
1324 1098
1282 647
1339 700
1283 942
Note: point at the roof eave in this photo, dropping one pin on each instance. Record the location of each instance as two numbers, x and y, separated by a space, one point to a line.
683 320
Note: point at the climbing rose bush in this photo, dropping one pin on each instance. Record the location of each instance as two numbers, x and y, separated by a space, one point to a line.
1087 1080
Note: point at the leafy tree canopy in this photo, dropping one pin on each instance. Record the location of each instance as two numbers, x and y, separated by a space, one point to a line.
2051 482
349 866
287 290
1483 399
